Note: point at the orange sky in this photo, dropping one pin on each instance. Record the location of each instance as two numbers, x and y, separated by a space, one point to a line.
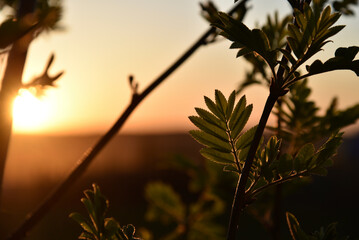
106 41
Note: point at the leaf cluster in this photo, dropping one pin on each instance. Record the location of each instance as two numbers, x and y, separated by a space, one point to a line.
220 134
220 130
300 119
246 40
210 13
311 28
97 226
276 31
270 169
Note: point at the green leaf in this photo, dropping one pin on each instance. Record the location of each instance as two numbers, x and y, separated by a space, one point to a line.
312 32
329 149
230 106
209 117
238 110
241 122
217 156
221 102
246 138
209 128
303 157
210 141
248 40
213 108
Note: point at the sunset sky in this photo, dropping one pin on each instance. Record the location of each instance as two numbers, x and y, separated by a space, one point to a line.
106 41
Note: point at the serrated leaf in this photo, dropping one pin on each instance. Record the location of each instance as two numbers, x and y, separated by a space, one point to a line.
246 138
209 128
241 122
329 149
313 29
238 109
255 40
221 102
211 141
217 156
213 108
303 157
230 105
210 118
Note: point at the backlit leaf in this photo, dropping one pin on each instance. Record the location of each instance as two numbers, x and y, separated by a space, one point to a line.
209 127
209 117
210 141
213 108
221 102
241 122
217 156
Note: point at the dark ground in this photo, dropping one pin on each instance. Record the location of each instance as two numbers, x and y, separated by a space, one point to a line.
130 162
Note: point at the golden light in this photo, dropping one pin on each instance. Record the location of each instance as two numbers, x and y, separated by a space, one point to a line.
30 114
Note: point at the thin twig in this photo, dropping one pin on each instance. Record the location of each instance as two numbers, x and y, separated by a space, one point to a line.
239 198
33 218
276 182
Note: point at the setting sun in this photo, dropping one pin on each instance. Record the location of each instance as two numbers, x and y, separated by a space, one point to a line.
29 112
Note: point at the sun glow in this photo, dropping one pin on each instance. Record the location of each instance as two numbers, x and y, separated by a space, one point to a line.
30 113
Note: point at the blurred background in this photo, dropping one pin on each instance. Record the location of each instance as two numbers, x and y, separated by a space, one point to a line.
98 46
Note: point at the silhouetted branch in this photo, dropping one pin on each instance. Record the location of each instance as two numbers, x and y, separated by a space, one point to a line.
11 82
44 79
33 218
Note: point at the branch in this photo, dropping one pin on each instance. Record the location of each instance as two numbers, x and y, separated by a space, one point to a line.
33 218
239 198
276 182
44 79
